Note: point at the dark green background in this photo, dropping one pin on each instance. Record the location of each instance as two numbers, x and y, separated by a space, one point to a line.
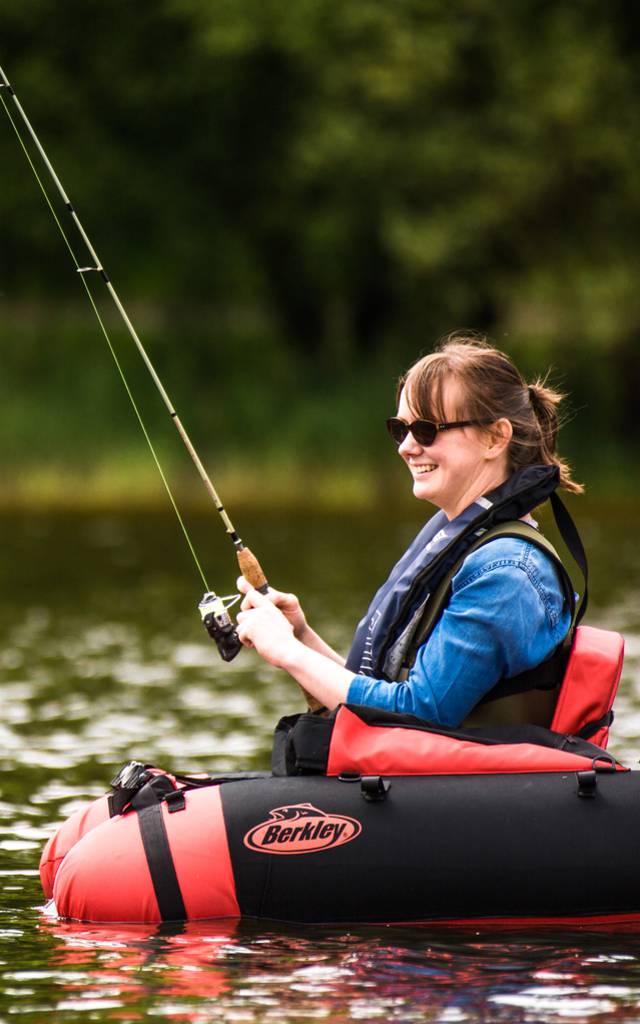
296 199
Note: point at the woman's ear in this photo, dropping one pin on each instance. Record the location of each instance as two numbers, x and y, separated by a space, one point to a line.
499 435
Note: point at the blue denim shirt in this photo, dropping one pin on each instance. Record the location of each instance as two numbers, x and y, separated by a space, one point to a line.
506 614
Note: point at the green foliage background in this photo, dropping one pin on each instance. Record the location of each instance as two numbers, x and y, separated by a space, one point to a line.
296 199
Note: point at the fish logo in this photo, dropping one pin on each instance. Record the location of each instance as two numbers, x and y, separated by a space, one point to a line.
301 828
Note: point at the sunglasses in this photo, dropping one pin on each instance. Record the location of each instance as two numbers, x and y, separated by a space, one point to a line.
424 431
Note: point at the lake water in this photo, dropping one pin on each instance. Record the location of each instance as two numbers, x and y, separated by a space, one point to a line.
103 658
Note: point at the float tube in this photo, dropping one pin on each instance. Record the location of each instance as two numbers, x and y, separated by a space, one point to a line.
367 817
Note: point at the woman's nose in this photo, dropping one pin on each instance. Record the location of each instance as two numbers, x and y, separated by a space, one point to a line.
409 446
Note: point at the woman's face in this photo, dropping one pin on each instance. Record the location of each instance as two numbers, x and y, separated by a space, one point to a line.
460 465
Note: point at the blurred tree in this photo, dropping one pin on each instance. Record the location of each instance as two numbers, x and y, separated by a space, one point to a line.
356 178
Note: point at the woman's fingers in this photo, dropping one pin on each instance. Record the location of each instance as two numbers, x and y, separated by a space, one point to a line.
253 598
242 630
288 604
264 627
274 596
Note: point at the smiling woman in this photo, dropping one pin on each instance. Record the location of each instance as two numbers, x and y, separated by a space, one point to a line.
460 461
480 599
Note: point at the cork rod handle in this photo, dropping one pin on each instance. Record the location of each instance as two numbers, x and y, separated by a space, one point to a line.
252 571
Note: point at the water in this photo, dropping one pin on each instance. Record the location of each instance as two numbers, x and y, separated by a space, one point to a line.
102 659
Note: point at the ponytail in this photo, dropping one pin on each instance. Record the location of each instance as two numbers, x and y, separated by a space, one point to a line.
544 402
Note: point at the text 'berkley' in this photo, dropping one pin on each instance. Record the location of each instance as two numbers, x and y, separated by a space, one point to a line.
301 828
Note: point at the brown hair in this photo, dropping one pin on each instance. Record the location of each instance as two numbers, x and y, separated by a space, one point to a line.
493 388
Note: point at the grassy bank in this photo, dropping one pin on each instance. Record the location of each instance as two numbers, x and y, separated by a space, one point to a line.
273 430
132 481
135 482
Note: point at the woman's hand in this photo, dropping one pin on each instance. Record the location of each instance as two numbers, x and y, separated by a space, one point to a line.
288 604
262 625
265 623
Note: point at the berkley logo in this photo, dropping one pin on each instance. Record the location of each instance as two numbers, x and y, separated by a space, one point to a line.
301 828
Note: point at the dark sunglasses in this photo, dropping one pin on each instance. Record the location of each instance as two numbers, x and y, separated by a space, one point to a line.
424 431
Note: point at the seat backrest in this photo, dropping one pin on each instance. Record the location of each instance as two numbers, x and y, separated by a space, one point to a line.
590 684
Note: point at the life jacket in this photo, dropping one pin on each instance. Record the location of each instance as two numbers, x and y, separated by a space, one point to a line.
384 636
581 676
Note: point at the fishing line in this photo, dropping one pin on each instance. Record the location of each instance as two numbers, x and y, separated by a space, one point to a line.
82 271
213 609
249 564
99 269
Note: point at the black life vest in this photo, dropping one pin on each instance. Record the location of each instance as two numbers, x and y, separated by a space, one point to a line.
577 683
384 638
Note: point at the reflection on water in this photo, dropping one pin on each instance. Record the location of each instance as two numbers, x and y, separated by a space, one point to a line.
253 972
103 658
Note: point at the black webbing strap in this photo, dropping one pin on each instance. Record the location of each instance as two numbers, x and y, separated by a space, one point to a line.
148 804
571 537
545 676
591 728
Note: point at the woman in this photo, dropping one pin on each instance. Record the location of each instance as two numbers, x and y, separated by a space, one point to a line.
467 427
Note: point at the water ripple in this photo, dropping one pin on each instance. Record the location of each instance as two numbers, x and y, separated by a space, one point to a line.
109 662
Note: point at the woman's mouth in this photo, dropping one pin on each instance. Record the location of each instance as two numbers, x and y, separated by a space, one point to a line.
420 470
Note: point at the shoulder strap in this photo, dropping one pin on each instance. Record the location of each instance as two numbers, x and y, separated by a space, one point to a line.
440 597
571 537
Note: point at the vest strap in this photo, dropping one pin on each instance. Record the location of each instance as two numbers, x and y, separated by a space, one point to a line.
571 537
440 598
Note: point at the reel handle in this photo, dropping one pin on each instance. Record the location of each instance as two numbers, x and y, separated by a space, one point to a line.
252 571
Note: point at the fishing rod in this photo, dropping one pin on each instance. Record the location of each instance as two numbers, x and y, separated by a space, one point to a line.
213 609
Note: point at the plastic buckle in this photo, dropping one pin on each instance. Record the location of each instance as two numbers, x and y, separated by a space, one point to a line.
587 782
373 788
132 775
